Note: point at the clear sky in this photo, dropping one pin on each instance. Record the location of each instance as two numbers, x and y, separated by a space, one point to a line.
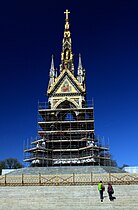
106 35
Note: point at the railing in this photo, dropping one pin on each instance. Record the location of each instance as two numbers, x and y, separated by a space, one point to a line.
68 179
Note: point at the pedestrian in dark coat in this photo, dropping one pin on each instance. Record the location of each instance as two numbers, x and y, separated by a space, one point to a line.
110 191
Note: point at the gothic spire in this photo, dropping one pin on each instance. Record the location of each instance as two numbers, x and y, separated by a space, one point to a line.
81 72
52 69
52 72
66 54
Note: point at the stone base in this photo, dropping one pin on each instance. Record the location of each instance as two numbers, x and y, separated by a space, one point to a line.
66 170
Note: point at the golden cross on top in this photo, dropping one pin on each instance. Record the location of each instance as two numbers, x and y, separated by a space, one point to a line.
67 13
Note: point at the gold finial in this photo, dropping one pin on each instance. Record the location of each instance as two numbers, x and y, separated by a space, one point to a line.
67 14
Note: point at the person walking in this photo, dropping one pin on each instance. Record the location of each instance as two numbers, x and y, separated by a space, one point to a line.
101 188
110 191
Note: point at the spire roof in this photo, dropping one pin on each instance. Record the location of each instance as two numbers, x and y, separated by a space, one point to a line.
66 54
52 68
80 62
52 62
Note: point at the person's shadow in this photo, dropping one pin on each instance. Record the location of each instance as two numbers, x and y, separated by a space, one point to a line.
113 197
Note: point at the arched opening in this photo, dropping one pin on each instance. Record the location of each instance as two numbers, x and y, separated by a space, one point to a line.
66 104
68 114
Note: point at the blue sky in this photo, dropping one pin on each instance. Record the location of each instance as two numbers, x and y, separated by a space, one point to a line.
106 35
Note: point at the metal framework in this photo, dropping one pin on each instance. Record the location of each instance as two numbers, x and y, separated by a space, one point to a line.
66 137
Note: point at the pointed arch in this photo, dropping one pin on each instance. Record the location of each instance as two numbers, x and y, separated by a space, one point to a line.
66 113
69 104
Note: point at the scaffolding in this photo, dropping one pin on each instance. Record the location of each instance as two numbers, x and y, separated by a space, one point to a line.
66 138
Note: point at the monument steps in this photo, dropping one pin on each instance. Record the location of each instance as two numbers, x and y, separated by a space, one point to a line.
68 198
66 170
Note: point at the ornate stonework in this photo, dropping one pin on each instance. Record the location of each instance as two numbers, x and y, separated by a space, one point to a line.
66 85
